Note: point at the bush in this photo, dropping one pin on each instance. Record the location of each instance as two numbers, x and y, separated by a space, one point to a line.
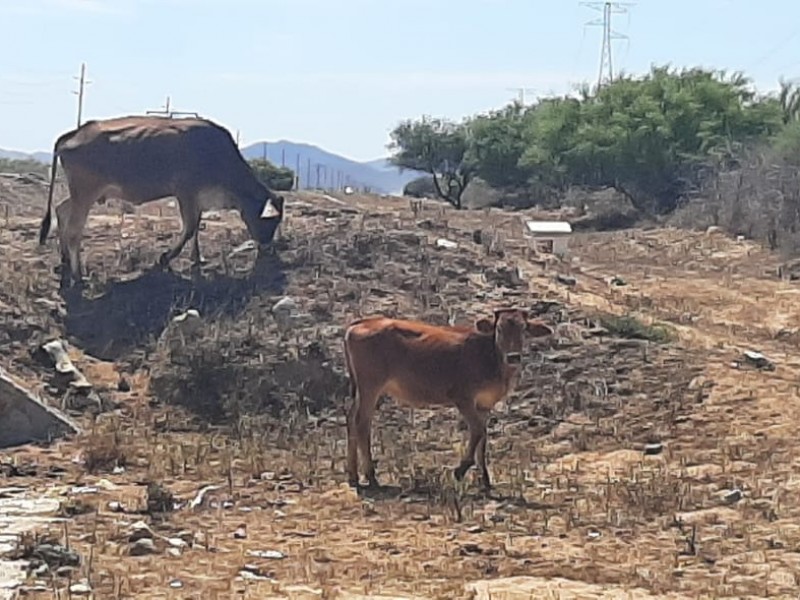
275 178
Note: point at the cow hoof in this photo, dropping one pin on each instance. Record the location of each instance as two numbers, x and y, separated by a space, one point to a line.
460 471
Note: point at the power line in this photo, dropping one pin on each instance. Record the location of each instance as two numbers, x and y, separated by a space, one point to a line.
81 86
608 9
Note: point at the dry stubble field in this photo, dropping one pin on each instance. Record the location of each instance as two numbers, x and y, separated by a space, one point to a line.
580 509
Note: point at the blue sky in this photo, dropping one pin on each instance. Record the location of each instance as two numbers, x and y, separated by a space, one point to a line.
340 74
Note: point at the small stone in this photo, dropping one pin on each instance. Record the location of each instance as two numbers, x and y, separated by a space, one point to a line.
274 554
566 280
80 589
654 448
142 547
731 496
176 584
64 572
140 530
240 533
115 506
175 552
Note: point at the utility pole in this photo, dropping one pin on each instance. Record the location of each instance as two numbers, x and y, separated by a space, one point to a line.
237 138
283 157
81 85
521 91
318 167
297 174
308 173
264 151
608 9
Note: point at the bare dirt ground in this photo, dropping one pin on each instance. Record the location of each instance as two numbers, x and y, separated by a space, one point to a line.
623 467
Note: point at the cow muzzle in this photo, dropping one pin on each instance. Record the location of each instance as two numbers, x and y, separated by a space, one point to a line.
513 358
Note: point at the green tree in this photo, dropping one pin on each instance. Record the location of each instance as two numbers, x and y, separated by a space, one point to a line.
274 177
648 137
438 147
497 143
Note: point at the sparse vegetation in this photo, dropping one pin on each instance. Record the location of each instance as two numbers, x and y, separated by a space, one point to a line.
628 326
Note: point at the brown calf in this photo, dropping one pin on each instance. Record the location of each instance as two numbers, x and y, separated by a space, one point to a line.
423 365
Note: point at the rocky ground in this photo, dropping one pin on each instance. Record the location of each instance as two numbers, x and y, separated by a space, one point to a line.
643 453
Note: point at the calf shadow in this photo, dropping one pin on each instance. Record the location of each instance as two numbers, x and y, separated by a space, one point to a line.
131 314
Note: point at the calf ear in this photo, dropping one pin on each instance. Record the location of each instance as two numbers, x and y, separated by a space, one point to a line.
538 329
484 325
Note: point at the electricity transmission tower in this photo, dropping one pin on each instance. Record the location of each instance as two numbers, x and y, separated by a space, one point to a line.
608 9
82 83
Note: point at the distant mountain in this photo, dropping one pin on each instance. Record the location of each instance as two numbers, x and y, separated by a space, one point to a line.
14 155
334 170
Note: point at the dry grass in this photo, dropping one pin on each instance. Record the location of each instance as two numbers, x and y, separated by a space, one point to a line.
257 411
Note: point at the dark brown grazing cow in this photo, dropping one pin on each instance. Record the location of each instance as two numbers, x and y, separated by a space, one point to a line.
422 365
140 159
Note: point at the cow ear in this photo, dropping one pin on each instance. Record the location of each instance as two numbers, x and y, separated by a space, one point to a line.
484 325
538 329
270 211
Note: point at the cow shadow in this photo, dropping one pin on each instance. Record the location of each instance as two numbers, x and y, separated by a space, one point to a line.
130 315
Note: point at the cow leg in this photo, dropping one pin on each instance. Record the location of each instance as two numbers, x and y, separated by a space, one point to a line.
476 421
72 215
359 436
190 225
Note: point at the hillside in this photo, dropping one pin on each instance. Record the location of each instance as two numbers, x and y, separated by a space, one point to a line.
627 464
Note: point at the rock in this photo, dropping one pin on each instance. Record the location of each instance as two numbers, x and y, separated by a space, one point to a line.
443 243
123 385
240 533
731 496
272 554
140 531
654 448
247 246
80 589
758 360
25 418
57 351
56 555
566 280
142 547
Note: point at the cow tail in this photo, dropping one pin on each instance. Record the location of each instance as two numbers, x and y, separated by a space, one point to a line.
47 220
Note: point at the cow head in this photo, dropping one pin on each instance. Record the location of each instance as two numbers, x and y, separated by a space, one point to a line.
510 326
262 219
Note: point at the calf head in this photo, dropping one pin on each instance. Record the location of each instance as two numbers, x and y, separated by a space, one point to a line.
510 326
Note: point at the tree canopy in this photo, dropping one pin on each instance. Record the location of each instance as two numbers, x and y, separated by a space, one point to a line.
650 137
276 178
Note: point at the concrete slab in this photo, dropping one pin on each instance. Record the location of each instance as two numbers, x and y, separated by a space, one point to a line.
25 419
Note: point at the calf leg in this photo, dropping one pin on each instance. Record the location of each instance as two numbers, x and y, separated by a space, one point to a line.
476 421
190 225
481 456
359 436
